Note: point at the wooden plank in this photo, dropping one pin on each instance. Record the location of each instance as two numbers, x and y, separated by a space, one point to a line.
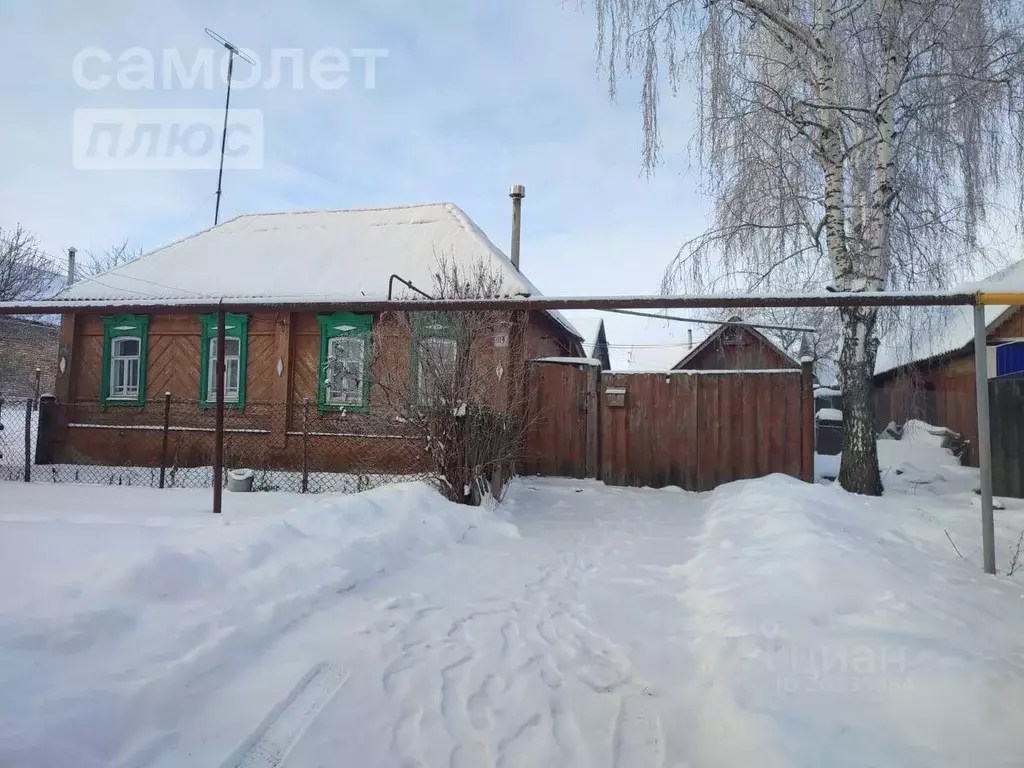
692 442
765 421
748 435
726 470
282 382
593 376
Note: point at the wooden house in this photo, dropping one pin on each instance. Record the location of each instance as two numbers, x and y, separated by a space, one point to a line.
731 346
932 377
734 346
287 372
595 339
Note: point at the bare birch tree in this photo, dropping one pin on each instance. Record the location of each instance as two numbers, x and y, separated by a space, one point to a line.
862 143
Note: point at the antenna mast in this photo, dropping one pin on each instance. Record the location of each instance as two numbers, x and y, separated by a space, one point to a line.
233 50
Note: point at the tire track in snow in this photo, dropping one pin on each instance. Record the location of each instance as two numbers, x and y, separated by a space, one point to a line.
638 739
268 746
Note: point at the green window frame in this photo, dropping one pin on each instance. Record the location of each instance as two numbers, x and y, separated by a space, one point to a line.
123 381
429 328
235 327
346 352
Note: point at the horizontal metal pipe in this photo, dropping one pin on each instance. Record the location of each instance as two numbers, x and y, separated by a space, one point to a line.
537 303
1000 299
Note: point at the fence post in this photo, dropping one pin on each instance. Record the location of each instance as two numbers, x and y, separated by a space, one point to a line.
807 419
218 437
46 429
163 441
305 445
39 374
988 536
28 440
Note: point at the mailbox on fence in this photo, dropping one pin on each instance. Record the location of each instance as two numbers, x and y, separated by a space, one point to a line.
615 397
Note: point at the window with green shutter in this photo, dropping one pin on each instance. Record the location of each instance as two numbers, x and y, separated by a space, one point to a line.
346 351
236 346
125 340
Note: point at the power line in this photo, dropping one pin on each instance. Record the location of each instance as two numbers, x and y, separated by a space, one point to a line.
768 326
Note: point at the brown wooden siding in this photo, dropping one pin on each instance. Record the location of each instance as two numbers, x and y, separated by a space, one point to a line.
694 431
942 393
274 401
737 348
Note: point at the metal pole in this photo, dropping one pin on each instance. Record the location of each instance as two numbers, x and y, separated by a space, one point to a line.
218 440
28 441
305 445
163 440
988 538
224 137
517 192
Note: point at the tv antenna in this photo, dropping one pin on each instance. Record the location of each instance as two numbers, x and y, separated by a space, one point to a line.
233 50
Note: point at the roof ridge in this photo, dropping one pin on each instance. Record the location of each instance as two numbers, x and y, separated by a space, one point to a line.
370 209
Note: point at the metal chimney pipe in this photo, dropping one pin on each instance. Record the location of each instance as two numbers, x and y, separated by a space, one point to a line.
517 192
71 264
689 338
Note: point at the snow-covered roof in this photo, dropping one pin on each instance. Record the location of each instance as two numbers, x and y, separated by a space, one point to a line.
349 253
657 356
589 327
937 331
933 332
569 361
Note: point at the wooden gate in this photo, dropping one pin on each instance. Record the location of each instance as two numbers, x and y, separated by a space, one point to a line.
694 429
563 402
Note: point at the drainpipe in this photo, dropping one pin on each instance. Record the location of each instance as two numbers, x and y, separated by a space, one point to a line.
517 192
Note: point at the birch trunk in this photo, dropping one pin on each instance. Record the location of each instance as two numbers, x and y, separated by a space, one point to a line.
855 144
858 471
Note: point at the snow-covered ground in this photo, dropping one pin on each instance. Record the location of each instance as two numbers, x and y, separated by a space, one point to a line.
769 622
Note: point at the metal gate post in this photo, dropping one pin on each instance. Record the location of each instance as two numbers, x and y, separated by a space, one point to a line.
984 439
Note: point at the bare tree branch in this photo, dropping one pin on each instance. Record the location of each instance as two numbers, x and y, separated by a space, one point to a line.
852 144
25 271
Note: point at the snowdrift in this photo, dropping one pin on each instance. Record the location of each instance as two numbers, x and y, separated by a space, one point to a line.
143 611
830 636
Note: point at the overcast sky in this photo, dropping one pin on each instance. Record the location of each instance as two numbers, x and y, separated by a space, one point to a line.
472 96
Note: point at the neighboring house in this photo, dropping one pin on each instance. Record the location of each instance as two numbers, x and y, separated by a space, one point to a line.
735 346
25 347
731 346
595 339
124 363
928 373
934 380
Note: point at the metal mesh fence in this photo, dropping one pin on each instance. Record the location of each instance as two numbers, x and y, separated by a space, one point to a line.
18 420
169 443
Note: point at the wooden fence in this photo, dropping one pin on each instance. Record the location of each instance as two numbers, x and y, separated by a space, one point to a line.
1006 406
694 429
